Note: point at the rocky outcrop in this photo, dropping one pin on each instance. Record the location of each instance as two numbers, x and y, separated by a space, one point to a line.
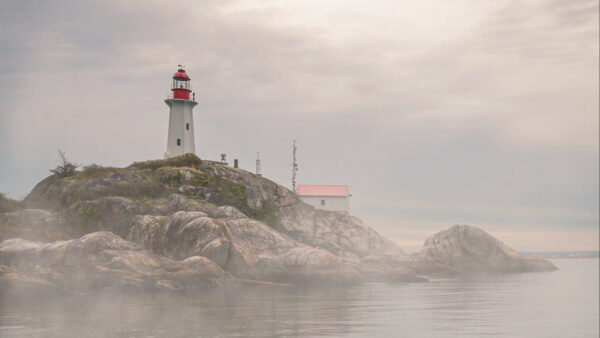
258 190
336 232
22 285
466 249
196 218
242 246
9 205
113 202
101 260
34 224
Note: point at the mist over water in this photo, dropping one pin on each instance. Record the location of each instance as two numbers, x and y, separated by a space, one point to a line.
563 303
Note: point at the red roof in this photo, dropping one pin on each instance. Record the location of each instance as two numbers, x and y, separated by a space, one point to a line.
322 190
181 74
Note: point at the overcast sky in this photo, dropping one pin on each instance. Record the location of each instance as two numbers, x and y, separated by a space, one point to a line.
433 112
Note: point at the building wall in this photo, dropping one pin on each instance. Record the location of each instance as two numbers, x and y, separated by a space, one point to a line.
180 116
331 203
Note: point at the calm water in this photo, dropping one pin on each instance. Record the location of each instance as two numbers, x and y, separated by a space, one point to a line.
555 304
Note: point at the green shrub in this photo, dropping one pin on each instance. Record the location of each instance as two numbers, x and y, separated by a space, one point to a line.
89 213
200 178
268 214
66 168
226 192
177 177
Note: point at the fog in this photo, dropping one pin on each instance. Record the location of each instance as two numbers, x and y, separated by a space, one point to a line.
499 306
433 114
436 115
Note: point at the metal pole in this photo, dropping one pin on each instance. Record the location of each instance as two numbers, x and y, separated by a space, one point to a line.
294 168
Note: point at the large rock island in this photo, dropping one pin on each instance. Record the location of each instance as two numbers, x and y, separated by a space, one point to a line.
184 223
465 249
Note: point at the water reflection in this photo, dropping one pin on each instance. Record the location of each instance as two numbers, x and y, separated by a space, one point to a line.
562 303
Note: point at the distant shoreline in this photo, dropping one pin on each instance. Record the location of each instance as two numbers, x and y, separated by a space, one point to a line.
586 254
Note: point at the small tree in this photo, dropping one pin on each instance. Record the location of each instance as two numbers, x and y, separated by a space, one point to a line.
66 168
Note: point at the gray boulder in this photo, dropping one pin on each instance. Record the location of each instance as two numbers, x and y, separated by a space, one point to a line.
466 249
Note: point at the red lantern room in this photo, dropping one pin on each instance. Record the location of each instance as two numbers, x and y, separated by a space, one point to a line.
181 85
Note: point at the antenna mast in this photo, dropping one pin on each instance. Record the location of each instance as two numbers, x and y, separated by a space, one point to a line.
294 168
258 163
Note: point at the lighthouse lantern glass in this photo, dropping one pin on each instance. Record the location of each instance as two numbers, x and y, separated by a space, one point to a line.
181 84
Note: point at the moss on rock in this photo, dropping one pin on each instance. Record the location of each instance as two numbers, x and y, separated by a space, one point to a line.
268 214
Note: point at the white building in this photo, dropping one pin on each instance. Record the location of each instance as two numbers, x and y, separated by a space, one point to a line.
326 197
181 120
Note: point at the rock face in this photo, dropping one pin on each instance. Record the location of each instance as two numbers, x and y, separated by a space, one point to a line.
101 260
339 233
249 225
181 222
251 249
33 224
466 249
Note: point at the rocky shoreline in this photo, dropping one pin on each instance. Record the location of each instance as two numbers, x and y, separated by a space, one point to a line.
186 224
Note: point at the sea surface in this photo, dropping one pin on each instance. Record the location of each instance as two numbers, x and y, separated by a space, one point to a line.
563 303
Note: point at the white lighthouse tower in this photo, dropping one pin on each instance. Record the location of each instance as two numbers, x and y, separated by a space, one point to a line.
181 119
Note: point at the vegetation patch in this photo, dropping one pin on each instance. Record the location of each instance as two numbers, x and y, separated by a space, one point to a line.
94 171
7 223
168 175
187 160
143 205
137 189
89 213
12 228
201 178
268 214
226 192
177 176
66 168
161 220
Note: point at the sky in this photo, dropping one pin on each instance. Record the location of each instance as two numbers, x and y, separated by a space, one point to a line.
434 112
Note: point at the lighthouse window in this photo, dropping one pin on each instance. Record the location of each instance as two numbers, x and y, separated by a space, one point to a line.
187 126
178 141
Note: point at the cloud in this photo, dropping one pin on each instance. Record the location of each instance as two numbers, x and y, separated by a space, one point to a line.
479 107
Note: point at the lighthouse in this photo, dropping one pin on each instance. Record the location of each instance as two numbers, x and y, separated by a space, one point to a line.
181 119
